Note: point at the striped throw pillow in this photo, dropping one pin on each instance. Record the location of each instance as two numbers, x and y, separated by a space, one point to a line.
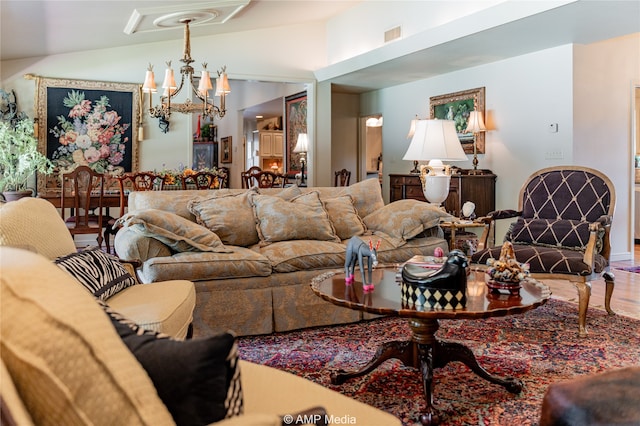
101 273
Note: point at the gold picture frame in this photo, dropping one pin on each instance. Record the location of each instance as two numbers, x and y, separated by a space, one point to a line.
225 149
87 122
456 106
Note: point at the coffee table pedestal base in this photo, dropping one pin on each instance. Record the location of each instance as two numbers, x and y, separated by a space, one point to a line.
426 353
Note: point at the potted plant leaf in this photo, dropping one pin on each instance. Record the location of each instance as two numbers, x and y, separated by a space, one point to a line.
19 158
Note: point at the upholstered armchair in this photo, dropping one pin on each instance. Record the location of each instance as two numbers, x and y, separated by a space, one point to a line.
562 230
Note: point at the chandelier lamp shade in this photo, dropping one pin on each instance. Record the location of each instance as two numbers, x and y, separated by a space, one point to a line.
435 141
302 146
475 125
171 88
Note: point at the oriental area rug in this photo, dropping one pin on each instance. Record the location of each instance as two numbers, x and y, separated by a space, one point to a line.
539 347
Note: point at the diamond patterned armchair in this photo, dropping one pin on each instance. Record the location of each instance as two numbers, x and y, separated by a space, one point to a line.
562 230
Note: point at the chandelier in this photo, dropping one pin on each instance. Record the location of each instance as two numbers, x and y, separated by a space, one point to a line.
208 109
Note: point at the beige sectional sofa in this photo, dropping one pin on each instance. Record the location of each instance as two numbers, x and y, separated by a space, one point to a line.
252 253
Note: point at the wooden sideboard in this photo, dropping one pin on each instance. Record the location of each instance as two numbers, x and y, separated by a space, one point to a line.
479 189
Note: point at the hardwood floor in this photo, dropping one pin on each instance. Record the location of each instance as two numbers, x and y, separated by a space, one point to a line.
626 294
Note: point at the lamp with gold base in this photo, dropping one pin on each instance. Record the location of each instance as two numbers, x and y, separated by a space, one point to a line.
475 125
435 141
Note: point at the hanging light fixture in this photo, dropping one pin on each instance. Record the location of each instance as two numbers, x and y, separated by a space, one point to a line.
208 109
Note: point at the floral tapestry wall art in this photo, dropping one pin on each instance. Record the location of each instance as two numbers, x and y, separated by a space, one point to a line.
87 123
90 135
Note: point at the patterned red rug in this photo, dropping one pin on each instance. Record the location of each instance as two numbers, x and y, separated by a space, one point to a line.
539 347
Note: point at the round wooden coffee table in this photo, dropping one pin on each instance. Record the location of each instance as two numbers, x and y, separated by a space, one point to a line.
425 351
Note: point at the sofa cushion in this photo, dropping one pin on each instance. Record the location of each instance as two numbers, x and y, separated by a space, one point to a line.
228 216
302 255
66 360
404 219
344 217
193 266
51 238
286 194
367 196
173 304
174 231
206 386
100 273
302 218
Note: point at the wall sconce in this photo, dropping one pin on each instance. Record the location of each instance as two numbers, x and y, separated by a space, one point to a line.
435 141
301 148
475 125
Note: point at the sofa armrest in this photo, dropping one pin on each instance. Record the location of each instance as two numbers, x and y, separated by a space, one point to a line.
130 245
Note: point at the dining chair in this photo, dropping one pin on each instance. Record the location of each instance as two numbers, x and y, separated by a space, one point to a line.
86 189
136 181
201 180
342 177
562 230
266 179
248 176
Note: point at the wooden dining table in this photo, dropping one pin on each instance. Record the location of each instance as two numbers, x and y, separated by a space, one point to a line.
109 199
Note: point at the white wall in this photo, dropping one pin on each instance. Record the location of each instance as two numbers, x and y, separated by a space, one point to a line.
523 96
604 78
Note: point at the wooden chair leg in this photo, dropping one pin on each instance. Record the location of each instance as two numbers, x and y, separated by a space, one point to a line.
609 279
584 293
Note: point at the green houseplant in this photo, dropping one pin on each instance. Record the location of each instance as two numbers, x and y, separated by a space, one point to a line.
19 156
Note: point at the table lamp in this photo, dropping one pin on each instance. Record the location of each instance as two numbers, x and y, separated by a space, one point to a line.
435 141
475 125
301 148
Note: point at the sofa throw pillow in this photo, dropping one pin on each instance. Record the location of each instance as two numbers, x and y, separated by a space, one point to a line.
287 193
367 196
405 219
197 379
100 273
229 216
302 218
174 231
571 234
344 217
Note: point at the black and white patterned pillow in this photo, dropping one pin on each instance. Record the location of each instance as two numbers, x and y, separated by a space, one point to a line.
101 273
198 379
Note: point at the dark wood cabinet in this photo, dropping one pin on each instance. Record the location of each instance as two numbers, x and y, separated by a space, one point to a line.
479 189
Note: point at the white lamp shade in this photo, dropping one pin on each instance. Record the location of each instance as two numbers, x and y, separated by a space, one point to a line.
205 83
475 124
303 143
222 85
169 80
435 140
149 83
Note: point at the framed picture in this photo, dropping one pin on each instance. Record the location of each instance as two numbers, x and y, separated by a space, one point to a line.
456 107
225 149
94 123
295 123
204 155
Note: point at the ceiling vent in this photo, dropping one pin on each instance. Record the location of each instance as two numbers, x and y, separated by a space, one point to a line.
393 34
168 17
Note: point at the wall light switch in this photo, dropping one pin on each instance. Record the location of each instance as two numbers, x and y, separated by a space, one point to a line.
553 128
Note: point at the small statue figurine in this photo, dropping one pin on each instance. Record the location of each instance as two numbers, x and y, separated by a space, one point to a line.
356 250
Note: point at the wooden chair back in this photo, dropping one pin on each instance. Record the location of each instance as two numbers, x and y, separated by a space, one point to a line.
201 180
86 188
342 177
248 176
